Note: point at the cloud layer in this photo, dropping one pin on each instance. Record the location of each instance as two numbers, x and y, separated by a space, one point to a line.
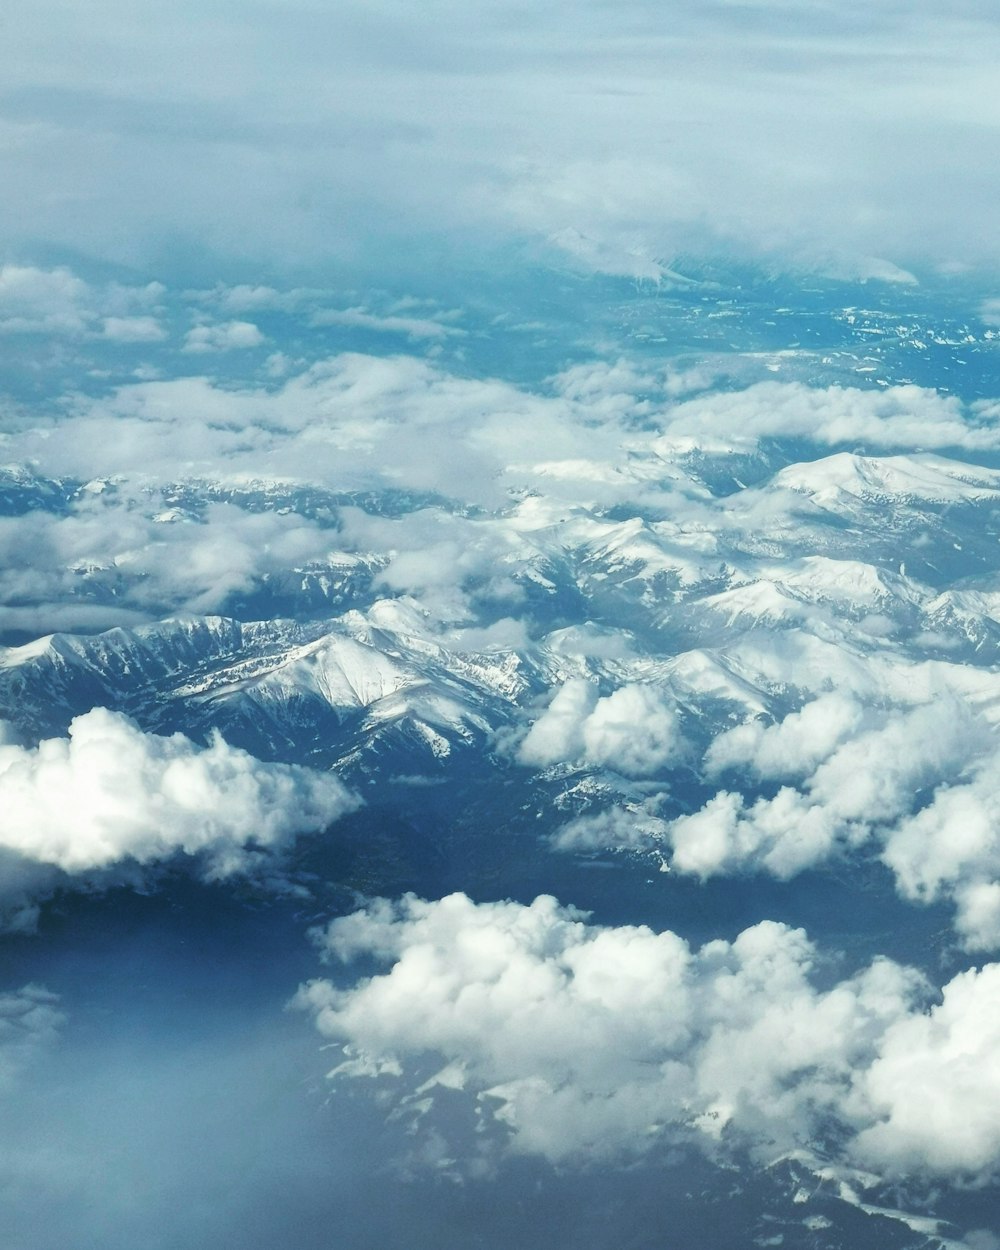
587 1042
868 780
110 793
920 783
802 133
634 730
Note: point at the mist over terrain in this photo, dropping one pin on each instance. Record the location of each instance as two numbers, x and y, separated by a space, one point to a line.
500 627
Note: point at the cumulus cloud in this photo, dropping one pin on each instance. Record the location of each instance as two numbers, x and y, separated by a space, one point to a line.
34 300
352 421
58 302
362 422
792 747
133 329
935 1085
951 848
225 337
514 523
854 783
109 792
920 785
445 559
584 1041
613 829
989 312
634 730
557 735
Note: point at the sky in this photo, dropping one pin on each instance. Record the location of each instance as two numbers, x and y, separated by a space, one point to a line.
300 137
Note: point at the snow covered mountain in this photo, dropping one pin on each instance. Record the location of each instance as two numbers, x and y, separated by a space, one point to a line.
718 663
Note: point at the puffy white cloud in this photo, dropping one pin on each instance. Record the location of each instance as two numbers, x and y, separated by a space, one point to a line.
133 329
348 422
366 423
596 1042
557 735
58 302
446 559
635 730
227 336
109 792
867 780
617 827
357 421
53 301
118 556
951 847
989 311
919 784
935 1085
790 748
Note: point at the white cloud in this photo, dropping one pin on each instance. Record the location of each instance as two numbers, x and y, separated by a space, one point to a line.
227 336
51 301
29 1022
989 312
441 556
362 319
615 828
360 422
557 735
951 848
133 329
559 133
634 730
592 1042
244 298
935 1085
57 302
109 792
919 784
792 747
854 783
357 421
145 558
348 422
905 416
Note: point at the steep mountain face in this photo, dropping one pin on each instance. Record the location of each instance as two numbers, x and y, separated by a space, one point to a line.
22 490
288 690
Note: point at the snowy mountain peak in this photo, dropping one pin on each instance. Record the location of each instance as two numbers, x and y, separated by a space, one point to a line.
920 477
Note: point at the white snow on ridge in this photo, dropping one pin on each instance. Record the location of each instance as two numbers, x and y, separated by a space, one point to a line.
758 603
13 657
920 477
